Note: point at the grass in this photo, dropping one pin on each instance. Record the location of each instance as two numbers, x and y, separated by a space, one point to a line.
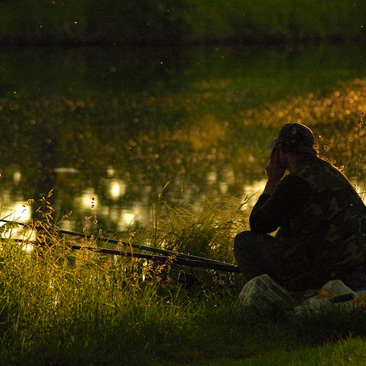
59 307
345 352
64 308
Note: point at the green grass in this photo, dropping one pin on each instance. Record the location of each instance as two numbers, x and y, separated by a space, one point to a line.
345 352
59 307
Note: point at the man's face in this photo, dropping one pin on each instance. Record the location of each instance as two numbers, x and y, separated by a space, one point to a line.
283 159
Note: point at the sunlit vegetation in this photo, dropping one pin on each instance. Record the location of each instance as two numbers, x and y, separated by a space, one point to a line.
63 307
336 116
208 232
167 21
201 123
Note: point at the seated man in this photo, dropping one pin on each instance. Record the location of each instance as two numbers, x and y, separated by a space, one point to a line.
320 216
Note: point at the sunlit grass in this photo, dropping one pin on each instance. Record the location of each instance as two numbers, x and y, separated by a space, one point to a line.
58 305
207 231
62 307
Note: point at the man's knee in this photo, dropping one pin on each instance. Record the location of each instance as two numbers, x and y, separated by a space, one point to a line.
244 237
251 241
242 240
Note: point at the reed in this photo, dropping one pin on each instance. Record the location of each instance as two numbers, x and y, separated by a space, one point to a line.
64 307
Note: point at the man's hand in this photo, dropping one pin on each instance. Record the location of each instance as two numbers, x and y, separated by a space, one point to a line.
275 171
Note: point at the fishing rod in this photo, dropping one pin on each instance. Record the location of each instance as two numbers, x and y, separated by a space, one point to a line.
222 266
227 267
175 257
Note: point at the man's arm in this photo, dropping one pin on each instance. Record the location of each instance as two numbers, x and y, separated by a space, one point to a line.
281 198
272 211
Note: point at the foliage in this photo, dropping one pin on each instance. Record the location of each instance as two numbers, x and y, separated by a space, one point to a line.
61 307
208 232
57 306
167 21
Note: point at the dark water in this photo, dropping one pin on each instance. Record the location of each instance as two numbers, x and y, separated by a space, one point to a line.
115 131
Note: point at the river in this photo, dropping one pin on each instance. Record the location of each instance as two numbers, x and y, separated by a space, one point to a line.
114 132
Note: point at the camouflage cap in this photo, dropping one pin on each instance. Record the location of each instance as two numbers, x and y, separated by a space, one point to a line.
295 137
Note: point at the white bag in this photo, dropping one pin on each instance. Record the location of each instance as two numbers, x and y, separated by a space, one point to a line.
263 291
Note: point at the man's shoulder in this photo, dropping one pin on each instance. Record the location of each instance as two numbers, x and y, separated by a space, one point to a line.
304 172
319 171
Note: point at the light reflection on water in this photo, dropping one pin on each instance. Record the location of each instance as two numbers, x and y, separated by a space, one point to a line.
15 211
117 188
110 143
92 207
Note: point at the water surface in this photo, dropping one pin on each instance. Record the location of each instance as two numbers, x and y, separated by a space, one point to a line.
115 131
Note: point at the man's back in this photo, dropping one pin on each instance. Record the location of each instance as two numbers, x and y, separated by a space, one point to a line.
329 208
326 234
